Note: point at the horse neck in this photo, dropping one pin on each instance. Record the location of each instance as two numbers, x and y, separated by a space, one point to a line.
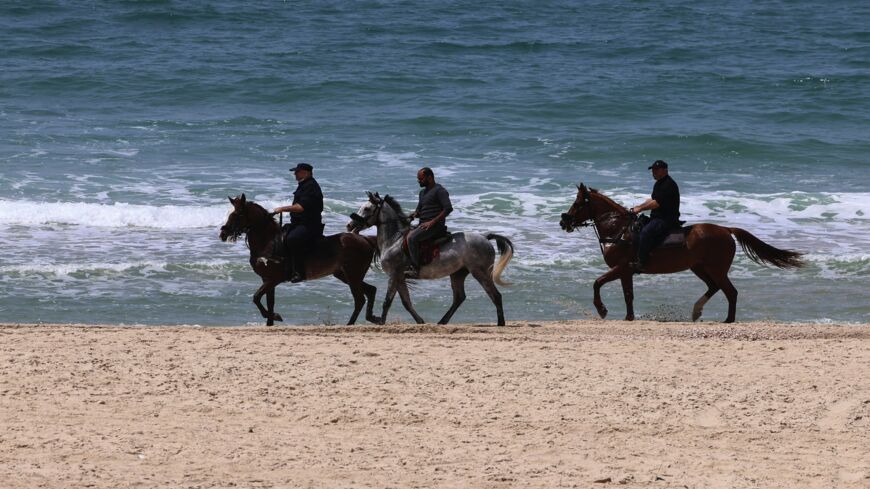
391 227
610 218
261 234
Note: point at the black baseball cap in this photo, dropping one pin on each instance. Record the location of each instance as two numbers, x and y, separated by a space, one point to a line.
659 164
302 166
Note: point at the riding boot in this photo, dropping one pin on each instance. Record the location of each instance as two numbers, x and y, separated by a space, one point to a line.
413 271
297 268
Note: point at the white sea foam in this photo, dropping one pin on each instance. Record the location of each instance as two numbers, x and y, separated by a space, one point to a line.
60 270
119 214
834 222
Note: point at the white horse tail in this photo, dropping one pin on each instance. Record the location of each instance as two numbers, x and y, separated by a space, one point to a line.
506 250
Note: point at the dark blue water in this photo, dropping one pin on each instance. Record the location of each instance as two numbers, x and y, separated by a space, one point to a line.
124 126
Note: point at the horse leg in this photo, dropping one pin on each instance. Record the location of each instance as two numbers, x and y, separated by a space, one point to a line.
485 279
370 292
356 290
628 294
265 288
406 301
388 301
608 276
731 294
457 283
712 288
270 305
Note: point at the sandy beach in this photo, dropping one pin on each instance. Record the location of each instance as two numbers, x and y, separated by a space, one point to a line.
550 404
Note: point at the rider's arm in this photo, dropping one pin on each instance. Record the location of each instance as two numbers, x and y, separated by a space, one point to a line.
294 208
446 209
648 205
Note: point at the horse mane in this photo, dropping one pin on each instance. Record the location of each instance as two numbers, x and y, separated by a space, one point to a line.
261 210
394 204
607 200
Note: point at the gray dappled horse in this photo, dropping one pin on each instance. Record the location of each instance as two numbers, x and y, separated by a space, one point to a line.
464 253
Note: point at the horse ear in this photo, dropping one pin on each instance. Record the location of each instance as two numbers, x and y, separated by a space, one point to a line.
242 198
231 200
377 196
370 196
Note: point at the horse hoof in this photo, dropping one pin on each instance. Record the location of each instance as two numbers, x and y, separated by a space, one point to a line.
695 316
602 312
270 323
277 317
629 318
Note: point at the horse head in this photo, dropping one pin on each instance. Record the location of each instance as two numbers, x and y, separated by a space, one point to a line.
245 214
367 215
581 210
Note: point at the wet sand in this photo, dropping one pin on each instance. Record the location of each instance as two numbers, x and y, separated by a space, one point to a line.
550 404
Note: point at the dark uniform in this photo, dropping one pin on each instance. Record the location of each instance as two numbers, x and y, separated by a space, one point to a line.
305 227
662 219
431 203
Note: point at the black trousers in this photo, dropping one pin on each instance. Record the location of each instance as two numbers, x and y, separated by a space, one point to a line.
298 239
652 235
417 236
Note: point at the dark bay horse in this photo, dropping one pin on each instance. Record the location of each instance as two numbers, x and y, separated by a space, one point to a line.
346 256
708 251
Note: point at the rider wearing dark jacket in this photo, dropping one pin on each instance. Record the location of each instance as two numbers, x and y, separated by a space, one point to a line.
665 215
305 220
433 208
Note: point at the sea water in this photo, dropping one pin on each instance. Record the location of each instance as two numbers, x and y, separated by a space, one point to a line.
124 127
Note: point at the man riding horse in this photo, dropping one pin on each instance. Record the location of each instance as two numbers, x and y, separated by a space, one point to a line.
665 215
305 226
433 207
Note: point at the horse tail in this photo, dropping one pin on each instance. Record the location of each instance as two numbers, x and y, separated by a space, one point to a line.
761 252
506 250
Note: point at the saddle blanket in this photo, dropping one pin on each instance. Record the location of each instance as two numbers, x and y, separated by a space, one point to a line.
429 249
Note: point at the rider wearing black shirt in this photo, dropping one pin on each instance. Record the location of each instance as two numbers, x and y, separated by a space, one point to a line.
305 220
665 215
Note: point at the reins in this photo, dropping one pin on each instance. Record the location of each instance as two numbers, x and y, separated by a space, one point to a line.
587 201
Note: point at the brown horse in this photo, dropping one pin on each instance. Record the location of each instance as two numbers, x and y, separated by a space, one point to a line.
345 256
708 251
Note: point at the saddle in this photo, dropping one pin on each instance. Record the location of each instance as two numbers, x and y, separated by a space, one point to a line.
278 248
429 249
675 238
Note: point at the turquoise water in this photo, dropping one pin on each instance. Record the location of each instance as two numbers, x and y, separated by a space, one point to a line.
125 125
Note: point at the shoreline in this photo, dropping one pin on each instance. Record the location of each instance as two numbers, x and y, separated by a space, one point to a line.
532 404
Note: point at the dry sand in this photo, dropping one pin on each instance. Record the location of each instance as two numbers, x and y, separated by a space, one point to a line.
568 404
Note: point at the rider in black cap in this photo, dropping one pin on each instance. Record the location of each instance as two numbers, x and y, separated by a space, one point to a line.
305 225
665 215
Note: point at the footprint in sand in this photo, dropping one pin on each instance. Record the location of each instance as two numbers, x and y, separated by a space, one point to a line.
711 417
838 416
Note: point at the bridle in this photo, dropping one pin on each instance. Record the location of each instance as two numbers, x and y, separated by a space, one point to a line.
587 201
372 219
592 219
236 231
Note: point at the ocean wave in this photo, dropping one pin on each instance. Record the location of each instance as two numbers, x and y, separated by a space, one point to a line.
105 269
119 214
795 215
